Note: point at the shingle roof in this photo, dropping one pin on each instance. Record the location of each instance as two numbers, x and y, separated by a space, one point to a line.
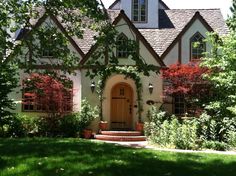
88 37
173 21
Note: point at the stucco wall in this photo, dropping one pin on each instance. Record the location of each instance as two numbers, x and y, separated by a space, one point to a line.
152 20
172 56
196 27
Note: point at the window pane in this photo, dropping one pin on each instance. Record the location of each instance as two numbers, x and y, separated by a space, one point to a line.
139 10
198 46
143 18
179 106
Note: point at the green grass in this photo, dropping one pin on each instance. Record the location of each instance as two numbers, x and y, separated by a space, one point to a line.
76 157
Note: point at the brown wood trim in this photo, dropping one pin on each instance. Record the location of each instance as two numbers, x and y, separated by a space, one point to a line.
118 98
140 37
138 47
164 5
73 43
196 16
180 51
38 23
113 4
59 25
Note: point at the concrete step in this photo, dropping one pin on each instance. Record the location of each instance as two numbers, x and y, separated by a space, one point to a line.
121 133
119 138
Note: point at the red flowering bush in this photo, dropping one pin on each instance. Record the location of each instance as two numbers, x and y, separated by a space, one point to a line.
186 80
47 93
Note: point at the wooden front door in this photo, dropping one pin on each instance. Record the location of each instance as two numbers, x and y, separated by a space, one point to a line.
121 106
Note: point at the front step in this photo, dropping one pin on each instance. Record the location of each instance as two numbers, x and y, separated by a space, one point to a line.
125 136
120 138
122 133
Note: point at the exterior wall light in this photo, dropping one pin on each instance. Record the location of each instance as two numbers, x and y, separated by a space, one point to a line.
150 88
92 86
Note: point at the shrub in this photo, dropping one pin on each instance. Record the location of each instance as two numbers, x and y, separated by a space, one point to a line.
186 135
156 118
215 145
69 124
12 126
173 133
87 115
49 126
29 124
231 138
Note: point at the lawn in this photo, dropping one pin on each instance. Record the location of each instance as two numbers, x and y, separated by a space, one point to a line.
76 157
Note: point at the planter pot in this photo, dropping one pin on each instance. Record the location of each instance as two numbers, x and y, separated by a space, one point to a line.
87 133
103 125
139 126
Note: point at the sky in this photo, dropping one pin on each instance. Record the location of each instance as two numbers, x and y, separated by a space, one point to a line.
224 5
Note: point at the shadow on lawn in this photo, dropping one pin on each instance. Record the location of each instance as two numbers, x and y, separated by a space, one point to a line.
75 157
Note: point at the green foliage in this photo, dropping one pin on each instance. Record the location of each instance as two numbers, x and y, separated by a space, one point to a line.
231 22
8 82
87 114
171 132
70 125
12 127
21 125
19 17
215 145
231 138
222 63
202 132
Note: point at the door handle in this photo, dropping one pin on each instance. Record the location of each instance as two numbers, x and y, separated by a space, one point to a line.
130 109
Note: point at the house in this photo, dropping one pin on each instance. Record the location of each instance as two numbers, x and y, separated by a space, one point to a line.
165 36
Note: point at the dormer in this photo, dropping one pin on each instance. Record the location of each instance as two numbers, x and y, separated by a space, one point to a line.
143 13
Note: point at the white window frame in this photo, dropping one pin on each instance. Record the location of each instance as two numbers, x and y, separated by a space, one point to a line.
139 14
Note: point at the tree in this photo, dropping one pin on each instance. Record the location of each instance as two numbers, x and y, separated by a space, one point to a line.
52 92
222 63
186 80
36 38
19 16
232 20
8 81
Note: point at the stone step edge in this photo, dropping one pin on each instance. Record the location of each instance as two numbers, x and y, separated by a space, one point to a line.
121 133
120 138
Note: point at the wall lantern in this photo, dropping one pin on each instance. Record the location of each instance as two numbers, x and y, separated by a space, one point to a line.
92 86
150 88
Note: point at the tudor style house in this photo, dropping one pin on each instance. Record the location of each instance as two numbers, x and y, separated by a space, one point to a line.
165 36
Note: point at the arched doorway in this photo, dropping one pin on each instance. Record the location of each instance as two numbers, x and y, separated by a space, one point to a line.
121 107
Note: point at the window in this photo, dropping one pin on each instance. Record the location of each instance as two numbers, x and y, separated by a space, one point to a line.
179 105
122 46
32 103
139 12
36 102
47 53
197 46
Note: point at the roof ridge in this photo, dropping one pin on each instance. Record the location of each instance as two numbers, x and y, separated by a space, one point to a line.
197 9
113 9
